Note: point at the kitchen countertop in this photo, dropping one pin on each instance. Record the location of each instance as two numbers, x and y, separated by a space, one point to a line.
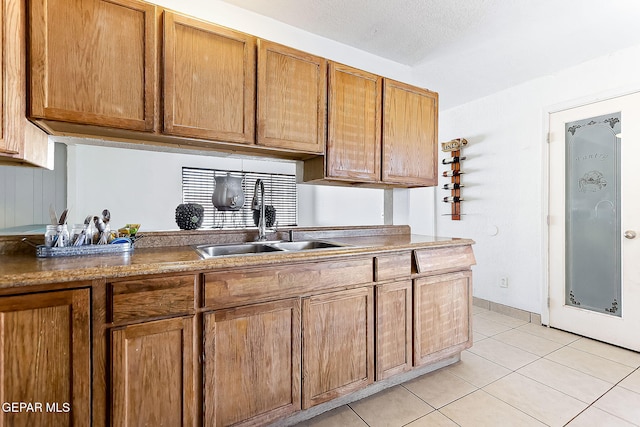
25 269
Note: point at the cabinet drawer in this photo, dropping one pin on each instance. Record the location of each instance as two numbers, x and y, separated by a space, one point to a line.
151 297
444 259
228 289
392 266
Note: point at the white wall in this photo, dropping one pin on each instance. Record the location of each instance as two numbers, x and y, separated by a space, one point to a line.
146 186
140 186
26 193
505 206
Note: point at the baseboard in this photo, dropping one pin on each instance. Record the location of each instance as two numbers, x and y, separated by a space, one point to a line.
527 316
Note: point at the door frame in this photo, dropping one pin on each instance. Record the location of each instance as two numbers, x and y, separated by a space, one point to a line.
546 193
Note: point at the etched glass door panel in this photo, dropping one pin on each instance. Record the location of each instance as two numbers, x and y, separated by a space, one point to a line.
592 214
594 221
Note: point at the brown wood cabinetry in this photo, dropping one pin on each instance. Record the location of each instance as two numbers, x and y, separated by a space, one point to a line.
21 142
338 344
252 363
154 364
153 374
381 133
94 62
96 67
409 135
209 81
245 286
441 315
394 340
353 142
292 98
45 344
148 298
235 345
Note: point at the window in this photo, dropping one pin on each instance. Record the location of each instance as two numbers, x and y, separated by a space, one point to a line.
279 191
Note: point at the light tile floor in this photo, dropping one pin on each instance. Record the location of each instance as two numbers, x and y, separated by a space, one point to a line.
516 374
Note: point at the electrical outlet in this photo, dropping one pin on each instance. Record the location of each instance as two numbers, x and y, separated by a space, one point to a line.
504 282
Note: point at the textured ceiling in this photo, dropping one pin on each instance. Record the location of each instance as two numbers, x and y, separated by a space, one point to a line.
466 49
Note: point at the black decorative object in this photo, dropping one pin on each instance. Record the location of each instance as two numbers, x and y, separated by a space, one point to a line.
269 216
189 216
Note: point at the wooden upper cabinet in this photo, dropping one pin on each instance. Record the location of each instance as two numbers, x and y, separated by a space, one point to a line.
209 81
292 97
45 357
4 144
21 142
353 140
409 135
94 62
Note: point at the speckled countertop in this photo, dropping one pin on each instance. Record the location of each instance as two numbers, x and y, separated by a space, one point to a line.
21 269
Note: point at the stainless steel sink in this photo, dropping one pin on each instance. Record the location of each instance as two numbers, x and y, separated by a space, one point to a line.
209 251
306 245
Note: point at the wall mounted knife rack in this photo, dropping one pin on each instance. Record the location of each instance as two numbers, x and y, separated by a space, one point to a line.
455 198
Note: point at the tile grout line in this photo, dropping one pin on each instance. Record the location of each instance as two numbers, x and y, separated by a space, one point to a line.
515 371
603 394
589 405
358 415
438 409
511 371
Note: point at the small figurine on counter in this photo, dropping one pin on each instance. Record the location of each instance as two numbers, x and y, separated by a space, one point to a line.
103 227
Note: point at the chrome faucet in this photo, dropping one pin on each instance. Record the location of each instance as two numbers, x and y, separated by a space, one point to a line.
255 205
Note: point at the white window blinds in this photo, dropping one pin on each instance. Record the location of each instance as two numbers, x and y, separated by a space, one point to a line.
280 192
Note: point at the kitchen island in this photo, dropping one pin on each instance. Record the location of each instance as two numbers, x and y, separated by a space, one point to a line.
162 335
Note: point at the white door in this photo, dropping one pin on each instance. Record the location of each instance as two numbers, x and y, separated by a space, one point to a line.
594 217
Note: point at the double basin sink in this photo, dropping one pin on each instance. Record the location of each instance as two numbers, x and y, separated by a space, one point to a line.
210 251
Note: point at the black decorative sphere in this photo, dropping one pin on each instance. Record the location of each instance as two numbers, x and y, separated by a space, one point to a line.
189 216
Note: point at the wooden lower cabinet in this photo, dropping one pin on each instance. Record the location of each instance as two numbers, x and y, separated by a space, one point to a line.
45 359
442 320
337 344
153 374
252 363
394 340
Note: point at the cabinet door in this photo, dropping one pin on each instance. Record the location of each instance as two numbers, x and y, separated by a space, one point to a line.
292 98
252 363
94 62
442 320
409 135
353 135
338 344
393 329
153 380
4 144
209 81
46 358
20 141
